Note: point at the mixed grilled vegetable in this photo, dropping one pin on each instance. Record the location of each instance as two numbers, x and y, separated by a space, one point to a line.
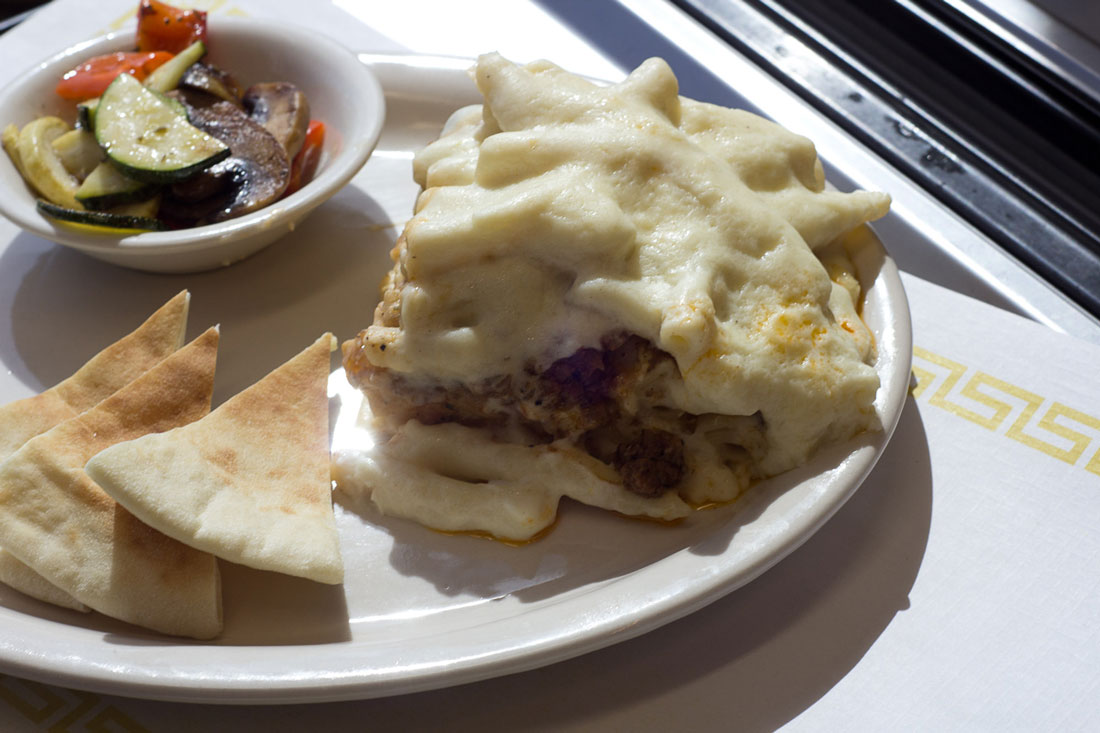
163 140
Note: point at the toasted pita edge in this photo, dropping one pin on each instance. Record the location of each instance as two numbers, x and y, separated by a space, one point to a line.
112 368
125 360
21 577
158 336
114 563
197 483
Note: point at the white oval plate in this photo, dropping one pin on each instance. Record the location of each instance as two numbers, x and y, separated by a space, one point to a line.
419 610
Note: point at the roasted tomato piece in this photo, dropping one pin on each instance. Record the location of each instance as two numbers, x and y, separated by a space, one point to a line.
92 77
162 27
305 162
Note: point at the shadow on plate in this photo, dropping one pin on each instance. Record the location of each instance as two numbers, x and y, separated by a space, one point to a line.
751 661
264 609
578 551
587 545
261 609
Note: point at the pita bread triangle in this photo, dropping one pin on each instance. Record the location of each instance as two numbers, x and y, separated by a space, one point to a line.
54 518
249 482
115 366
112 368
19 576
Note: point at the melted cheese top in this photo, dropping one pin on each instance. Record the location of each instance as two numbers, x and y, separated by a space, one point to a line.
560 210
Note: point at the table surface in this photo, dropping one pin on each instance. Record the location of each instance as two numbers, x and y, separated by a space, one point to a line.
958 588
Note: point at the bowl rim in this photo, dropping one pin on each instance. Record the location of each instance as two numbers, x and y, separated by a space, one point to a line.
19 206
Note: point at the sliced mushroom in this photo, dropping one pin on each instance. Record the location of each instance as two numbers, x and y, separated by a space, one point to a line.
211 80
192 99
254 175
282 109
213 181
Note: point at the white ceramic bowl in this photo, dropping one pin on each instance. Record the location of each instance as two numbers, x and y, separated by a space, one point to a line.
342 92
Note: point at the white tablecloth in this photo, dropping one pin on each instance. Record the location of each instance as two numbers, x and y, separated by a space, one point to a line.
958 589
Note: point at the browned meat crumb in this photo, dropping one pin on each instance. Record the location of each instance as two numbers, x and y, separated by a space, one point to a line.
652 463
590 397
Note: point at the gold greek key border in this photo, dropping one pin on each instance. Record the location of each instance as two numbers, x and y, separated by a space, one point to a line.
988 401
60 710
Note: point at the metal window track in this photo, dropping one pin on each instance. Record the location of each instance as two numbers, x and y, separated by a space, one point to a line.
991 134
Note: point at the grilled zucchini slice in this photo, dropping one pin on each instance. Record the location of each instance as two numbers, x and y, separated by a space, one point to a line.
143 134
100 221
167 76
107 186
164 79
85 115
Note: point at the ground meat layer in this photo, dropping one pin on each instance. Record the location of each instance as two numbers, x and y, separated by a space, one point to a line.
599 398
